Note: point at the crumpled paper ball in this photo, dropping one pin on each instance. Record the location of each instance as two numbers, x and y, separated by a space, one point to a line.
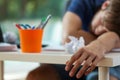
74 44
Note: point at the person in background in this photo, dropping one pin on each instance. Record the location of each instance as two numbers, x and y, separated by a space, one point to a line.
10 37
77 22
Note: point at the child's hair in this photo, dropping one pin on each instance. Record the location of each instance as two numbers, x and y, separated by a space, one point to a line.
112 17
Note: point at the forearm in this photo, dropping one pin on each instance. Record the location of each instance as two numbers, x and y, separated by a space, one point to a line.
88 37
108 41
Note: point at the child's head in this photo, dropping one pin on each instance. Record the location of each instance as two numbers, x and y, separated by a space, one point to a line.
112 17
108 18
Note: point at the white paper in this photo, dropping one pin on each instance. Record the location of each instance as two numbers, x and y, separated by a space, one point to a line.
54 48
74 44
7 47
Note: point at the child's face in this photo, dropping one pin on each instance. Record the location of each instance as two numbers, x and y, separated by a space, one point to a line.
98 25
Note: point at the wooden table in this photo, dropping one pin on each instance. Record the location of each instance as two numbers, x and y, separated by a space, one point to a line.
58 57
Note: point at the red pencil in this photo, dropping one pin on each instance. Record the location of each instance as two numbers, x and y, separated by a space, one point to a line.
18 26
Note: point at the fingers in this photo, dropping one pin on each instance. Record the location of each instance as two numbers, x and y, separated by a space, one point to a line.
77 64
85 66
73 59
93 66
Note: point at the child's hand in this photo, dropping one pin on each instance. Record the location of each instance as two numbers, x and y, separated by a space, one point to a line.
89 56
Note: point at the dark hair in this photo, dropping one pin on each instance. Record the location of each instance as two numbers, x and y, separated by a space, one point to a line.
112 17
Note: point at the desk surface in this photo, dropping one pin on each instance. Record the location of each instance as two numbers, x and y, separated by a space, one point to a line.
56 57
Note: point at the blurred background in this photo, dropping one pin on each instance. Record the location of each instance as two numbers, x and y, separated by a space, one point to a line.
30 12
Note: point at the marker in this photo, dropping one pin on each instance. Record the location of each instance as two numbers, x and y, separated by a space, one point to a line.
18 26
33 27
44 24
28 26
39 26
22 25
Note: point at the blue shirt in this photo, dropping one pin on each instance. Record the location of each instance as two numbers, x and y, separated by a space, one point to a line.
85 9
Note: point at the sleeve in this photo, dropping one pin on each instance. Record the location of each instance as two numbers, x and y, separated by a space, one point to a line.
77 7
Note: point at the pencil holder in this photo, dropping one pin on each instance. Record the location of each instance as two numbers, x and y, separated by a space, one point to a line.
31 40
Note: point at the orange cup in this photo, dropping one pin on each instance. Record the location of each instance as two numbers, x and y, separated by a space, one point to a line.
31 40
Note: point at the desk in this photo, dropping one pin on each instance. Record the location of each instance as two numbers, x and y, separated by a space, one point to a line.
58 57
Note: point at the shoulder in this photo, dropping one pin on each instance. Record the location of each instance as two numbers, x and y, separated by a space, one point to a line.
82 6
85 3
85 9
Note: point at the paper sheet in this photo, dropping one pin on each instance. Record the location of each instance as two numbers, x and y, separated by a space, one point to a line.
54 48
8 47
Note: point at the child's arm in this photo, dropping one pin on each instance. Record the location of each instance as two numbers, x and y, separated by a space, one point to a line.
108 40
72 26
91 54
